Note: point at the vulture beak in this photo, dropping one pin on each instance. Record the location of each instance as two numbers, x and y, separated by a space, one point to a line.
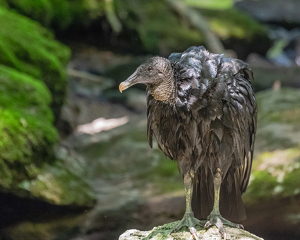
133 79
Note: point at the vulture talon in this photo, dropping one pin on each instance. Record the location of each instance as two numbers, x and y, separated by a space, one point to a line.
220 222
207 224
188 221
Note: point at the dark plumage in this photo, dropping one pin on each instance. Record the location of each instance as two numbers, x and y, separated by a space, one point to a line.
202 111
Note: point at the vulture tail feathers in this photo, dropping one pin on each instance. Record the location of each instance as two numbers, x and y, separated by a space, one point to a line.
203 194
231 204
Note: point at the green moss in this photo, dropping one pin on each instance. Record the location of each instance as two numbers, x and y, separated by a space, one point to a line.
261 188
26 144
32 77
274 175
23 92
163 231
51 13
31 49
275 171
58 185
26 125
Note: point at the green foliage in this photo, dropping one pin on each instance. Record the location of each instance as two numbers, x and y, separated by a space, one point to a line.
50 12
60 14
156 24
159 26
29 48
212 4
232 23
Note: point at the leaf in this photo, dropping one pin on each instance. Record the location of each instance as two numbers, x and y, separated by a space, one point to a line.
211 4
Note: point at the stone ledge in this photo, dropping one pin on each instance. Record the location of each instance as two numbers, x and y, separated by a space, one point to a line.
210 234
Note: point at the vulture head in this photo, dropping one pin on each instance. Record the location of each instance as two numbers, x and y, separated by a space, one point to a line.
157 75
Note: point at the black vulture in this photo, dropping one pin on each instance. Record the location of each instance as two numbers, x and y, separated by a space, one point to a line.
202 111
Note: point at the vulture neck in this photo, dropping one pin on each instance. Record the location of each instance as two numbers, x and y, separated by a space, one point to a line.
165 90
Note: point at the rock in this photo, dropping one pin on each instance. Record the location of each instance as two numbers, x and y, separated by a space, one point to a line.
30 173
278 119
53 182
27 131
60 227
31 49
211 234
273 192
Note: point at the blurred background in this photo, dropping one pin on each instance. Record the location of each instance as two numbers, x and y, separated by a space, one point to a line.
74 159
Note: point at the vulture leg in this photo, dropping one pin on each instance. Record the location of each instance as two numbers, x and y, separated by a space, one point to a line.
188 219
215 217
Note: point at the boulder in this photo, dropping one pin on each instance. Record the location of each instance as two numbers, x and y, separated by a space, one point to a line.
27 132
273 192
31 49
32 80
211 234
29 167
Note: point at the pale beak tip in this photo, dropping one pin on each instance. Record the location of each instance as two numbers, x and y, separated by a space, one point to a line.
121 88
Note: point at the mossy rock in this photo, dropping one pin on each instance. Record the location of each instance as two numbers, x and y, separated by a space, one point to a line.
278 119
276 167
26 125
275 175
164 232
31 49
51 13
27 166
58 185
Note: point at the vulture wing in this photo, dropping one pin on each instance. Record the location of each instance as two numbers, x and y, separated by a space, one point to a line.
240 114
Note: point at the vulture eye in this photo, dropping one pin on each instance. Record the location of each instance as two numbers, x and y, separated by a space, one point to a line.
150 68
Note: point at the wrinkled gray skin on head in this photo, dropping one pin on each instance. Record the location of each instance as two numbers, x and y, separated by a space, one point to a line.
157 75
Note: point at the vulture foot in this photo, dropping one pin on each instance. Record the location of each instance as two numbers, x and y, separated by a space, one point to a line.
219 222
188 221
